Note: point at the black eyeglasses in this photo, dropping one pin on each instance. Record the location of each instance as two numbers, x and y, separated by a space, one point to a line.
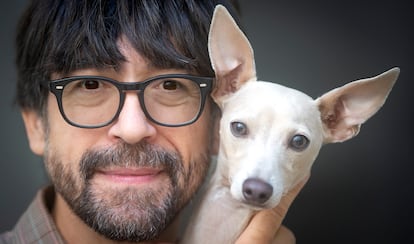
93 101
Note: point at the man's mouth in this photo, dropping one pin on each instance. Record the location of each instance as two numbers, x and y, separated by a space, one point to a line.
128 175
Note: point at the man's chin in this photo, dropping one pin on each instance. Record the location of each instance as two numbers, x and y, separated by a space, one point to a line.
129 214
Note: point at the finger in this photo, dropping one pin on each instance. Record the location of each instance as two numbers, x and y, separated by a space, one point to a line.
284 236
265 224
279 212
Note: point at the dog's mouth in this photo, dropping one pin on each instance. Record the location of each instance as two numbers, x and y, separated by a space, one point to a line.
271 203
254 206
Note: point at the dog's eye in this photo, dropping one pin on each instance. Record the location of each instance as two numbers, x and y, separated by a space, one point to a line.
238 129
299 142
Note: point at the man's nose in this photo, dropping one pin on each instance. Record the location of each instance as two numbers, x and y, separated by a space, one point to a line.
132 126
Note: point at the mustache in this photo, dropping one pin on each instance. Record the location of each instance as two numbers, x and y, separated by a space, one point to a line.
125 155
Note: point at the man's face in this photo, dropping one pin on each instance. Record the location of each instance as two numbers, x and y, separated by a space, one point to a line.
127 180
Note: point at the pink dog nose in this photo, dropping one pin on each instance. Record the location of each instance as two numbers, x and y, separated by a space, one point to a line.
256 191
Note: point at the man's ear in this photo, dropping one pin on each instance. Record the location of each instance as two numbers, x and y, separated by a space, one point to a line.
35 131
344 109
231 55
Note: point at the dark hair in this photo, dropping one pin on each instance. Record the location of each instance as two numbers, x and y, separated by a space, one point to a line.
65 35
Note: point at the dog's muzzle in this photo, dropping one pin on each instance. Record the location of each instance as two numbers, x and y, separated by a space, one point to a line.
256 191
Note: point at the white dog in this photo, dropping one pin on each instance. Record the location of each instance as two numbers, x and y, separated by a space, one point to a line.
270 135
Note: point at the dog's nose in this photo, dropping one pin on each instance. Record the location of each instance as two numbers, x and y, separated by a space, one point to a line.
256 191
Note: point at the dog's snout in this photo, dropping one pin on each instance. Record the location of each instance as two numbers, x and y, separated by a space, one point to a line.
256 191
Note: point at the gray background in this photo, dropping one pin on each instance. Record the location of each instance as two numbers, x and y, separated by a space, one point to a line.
360 191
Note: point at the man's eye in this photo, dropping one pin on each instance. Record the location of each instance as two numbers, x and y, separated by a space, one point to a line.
90 84
170 85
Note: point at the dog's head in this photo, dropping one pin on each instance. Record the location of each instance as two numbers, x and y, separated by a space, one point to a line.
270 134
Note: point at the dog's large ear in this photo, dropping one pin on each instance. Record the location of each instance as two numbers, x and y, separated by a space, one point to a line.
231 55
344 109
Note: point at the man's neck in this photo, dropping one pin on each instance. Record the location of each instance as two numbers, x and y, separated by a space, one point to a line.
74 230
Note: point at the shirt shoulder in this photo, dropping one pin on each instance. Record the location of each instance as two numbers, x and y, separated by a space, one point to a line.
36 224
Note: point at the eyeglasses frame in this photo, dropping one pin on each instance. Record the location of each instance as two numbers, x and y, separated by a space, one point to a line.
56 87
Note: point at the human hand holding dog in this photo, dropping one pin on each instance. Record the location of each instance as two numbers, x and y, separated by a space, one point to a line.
266 226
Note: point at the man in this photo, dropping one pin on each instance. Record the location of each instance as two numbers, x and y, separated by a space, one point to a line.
115 97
